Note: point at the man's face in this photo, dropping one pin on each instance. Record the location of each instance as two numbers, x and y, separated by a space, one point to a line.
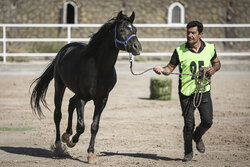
193 35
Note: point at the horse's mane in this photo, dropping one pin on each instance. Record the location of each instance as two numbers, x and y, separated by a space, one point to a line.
97 38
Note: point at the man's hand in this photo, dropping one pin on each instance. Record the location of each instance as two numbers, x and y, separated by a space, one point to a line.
210 71
215 66
160 70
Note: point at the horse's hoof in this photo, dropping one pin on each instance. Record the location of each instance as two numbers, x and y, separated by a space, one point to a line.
59 149
91 158
58 144
71 144
65 137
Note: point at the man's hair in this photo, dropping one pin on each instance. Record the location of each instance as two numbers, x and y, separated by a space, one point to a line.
194 24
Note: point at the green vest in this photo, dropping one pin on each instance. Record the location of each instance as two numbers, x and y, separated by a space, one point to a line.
190 63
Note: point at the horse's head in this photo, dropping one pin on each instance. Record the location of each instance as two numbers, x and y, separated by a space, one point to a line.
125 34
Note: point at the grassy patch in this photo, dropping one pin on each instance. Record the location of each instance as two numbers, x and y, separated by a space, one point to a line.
48 47
19 129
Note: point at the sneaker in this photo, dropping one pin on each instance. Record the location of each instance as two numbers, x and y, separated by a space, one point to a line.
200 146
188 157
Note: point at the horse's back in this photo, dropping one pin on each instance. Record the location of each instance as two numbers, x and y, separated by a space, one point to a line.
64 51
68 62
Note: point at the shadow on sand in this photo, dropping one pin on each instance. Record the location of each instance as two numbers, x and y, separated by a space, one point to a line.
36 152
140 155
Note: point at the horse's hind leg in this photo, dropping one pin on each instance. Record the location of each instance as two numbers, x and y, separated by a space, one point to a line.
59 92
71 108
80 123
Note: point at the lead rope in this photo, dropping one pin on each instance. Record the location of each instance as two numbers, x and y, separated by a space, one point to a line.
200 79
131 60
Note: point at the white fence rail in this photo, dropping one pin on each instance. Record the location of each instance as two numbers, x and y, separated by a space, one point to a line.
69 39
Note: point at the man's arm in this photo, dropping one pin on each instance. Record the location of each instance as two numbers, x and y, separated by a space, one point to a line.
215 66
164 70
170 67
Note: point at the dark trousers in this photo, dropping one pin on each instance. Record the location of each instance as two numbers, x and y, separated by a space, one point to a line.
206 116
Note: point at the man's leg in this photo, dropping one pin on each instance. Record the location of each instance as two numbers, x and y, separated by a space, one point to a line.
188 115
206 115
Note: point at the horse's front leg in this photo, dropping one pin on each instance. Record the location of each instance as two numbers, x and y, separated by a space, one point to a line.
80 127
99 106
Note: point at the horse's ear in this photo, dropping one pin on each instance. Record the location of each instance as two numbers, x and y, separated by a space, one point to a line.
132 17
120 15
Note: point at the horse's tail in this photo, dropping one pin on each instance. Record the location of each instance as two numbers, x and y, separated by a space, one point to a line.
40 89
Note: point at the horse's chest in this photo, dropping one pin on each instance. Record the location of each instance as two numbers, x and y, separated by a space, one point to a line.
98 87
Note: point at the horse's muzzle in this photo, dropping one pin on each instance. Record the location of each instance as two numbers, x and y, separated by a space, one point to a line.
136 47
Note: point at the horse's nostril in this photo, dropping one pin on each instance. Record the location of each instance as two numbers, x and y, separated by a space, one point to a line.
135 46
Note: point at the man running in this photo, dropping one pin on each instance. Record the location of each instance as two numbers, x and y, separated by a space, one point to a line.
190 57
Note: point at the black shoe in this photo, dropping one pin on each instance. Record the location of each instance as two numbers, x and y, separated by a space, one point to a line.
200 146
188 157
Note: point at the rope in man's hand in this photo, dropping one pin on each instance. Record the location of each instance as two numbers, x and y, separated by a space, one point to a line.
201 78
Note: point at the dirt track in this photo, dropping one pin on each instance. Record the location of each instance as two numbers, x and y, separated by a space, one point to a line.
134 131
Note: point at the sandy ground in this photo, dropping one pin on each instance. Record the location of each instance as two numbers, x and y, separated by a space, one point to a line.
134 130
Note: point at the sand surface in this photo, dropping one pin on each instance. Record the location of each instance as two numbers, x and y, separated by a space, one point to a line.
134 130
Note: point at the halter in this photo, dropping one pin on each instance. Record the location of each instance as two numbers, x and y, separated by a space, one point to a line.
123 42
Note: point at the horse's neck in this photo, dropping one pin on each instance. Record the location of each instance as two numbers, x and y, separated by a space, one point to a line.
107 55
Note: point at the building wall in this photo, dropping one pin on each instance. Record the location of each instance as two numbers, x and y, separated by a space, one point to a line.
98 11
147 11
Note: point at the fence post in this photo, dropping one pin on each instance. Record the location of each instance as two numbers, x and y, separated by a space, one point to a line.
4 43
69 33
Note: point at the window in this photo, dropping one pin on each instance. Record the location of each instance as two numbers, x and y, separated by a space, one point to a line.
176 13
70 13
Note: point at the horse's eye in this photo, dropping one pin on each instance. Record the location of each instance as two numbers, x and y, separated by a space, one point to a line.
122 30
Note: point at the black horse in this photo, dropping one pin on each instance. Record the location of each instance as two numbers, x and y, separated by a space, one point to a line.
88 71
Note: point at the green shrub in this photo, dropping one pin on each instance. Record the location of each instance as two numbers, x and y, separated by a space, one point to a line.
160 88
